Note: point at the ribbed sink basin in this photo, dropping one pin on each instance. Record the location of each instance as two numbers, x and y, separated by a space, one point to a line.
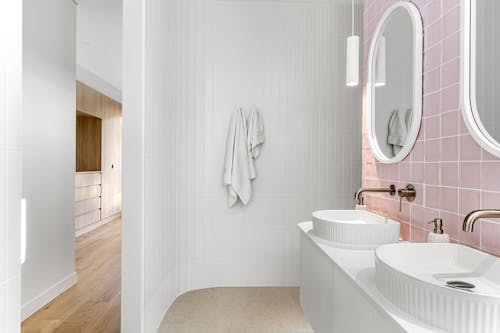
354 229
416 278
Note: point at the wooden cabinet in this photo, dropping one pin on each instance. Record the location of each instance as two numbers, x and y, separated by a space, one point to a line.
85 206
87 199
99 149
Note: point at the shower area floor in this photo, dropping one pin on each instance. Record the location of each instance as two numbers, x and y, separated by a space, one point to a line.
252 310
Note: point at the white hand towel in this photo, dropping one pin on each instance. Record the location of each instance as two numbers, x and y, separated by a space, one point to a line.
237 166
397 131
408 119
255 140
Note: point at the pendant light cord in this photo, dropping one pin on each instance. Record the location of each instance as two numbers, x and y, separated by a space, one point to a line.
352 20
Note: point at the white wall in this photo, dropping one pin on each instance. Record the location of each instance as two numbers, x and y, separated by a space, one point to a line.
99 45
49 88
203 58
286 58
10 164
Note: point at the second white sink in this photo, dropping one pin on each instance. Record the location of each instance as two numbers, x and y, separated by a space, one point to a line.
418 279
354 229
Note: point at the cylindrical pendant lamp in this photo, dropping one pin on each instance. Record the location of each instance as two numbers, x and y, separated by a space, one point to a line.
352 61
380 64
352 56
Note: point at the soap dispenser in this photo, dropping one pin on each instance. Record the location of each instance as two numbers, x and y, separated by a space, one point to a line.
361 207
438 235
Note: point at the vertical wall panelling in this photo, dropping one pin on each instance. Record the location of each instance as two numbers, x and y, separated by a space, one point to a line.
452 174
10 164
198 61
287 59
49 66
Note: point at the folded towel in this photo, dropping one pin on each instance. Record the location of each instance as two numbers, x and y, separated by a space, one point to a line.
237 165
397 131
255 139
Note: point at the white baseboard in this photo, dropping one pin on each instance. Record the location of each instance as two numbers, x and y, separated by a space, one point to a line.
48 295
96 225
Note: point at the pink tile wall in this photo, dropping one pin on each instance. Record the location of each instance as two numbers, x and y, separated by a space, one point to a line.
451 172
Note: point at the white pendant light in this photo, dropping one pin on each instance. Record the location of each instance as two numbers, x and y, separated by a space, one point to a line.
352 56
380 64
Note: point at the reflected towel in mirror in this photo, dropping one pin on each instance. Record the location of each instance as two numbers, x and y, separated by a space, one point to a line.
398 131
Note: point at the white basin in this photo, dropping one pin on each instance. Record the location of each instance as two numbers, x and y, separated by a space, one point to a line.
414 278
354 229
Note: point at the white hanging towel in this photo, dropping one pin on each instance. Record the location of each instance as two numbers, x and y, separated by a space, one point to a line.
255 140
237 165
408 119
397 131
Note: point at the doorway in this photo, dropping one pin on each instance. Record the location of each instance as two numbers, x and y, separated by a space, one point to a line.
72 165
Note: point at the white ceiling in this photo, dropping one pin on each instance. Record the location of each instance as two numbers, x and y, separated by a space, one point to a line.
99 45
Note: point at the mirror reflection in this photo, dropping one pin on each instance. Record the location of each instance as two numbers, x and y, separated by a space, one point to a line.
488 66
393 83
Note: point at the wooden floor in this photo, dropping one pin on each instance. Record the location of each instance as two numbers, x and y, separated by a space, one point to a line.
93 304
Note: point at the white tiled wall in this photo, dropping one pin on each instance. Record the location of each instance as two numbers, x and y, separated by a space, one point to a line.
203 58
10 164
287 59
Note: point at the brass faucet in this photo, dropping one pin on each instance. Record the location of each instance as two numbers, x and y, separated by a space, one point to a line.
473 216
359 194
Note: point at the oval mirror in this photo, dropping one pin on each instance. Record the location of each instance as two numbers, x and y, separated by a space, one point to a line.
394 87
481 72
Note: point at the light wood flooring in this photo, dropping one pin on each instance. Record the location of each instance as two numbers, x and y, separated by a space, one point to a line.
93 304
237 310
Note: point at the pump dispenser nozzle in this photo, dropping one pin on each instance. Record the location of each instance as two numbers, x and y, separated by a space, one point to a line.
438 235
438 226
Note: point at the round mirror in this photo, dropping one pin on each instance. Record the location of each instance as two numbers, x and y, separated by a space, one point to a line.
481 73
395 83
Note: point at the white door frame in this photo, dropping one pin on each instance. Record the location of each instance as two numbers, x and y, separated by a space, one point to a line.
133 106
10 164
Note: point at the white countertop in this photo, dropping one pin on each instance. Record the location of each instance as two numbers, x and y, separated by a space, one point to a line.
359 265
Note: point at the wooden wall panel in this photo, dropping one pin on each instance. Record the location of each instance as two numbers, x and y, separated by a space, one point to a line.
88 143
92 102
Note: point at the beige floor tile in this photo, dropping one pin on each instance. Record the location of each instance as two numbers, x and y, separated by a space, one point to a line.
237 310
